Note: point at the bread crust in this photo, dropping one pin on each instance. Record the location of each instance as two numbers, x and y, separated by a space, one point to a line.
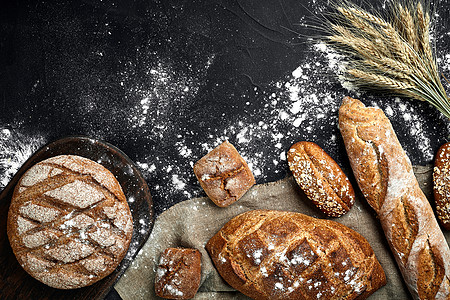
321 178
441 185
69 224
224 175
269 254
385 176
178 274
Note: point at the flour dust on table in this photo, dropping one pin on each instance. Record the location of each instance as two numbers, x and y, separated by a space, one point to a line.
15 148
164 89
164 102
302 105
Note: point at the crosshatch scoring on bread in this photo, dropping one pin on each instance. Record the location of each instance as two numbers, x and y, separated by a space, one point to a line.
270 255
321 178
224 175
69 224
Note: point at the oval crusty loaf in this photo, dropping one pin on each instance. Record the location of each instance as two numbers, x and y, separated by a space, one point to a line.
69 224
269 254
441 180
321 178
385 177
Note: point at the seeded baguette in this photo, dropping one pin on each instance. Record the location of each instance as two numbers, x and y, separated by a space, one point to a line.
385 176
321 178
441 180
278 255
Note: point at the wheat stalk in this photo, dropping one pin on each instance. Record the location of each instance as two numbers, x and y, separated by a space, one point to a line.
392 54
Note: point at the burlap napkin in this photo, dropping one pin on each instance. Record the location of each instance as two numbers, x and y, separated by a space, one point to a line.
192 223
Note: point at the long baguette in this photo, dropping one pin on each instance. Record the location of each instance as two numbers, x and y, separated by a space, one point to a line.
385 176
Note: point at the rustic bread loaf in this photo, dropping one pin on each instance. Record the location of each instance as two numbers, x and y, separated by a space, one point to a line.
441 180
269 254
224 175
178 274
385 177
69 224
321 178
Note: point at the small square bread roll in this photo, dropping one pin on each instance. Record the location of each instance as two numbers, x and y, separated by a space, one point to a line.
178 274
224 175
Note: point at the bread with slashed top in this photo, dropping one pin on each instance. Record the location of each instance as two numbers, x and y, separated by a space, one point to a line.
69 224
269 254
385 177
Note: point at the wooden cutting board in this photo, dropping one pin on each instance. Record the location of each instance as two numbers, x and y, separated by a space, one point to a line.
15 283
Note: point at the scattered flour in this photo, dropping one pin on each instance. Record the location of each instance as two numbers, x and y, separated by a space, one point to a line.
15 148
163 92
303 105
444 62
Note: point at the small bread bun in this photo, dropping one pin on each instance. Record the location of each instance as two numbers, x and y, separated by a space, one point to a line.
178 274
224 175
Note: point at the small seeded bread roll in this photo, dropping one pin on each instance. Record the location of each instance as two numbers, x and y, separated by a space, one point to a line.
69 224
441 180
224 175
178 274
277 255
321 178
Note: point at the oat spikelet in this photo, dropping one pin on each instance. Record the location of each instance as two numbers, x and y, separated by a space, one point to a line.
388 54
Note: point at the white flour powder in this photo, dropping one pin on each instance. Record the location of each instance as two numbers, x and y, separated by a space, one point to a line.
163 92
15 148
302 105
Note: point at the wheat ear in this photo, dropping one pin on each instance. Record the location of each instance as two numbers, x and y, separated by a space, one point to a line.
389 54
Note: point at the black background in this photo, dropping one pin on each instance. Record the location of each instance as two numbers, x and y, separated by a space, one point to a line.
79 67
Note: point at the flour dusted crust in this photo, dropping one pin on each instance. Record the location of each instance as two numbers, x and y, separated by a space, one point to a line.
224 175
385 176
69 224
268 254
178 274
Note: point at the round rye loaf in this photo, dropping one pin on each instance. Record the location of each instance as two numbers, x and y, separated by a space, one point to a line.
69 223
